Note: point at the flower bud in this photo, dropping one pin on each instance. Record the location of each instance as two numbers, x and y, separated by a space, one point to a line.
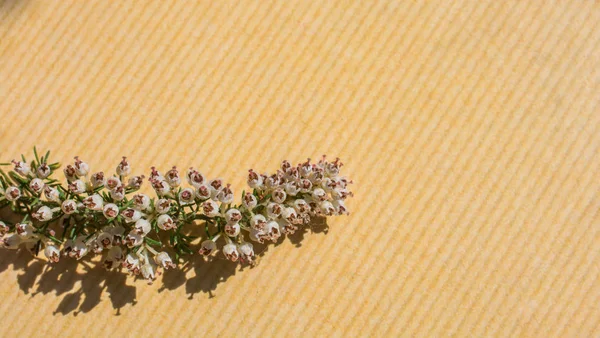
186 196
141 202
12 193
43 214
233 215
163 259
94 202
131 215
77 187
69 206
207 247
249 201
97 179
230 251
210 208
163 206
232 229
142 226
123 168
173 178
165 222
36 185
52 253
43 171
81 167
111 210
22 168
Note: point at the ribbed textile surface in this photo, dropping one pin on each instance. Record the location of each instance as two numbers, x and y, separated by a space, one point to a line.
471 130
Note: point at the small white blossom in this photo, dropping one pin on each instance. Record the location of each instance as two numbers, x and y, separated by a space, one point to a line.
25 229
135 182
258 222
105 239
113 258
340 207
246 251
319 194
327 208
207 247
117 232
11 242
52 253
186 196
22 168
123 168
203 192
232 229
118 193
195 178
160 186
12 193
43 214
210 208
257 235
163 259
172 177
215 186
69 206
305 185
81 167
230 251
306 168
112 183
249 201
36 185
290 215
163 206
165 222
274 210
255 181
148 272
80 248
77 187
43 171
51 194
301 206
291 188
233 215
142 226
131 215
98 179
70 173
3 228
132 263
111 210
272 230
94 202
278 195
134 239
225 196
141 202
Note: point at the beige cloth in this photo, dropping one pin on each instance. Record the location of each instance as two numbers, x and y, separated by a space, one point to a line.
471 129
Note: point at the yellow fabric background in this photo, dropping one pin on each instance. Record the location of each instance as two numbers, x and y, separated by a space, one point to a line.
471 129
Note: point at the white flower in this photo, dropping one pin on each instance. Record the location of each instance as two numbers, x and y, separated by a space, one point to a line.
131 215
77 187
286 227
134 239
105 239
51 194
195 178
301 206
210 208
97 179
272 230
340 193
207 247
305 168
113 258
94 202
327 208
319 194
278 195
25 230
135 182
43 170
340 207
246 251
52 253
291 215
149 272
203 192
163 206
117 232
272 181
3 228
233 215
155 175
22 168
118 193
12 193
69 206
230 251
132 263
11 242
123 169
186 196
112 182
255 180
173 178
165 222
141 202
258 222
81 167
232 229
215 187
291 188
36 185
43 214
80 248
142 226
333 168
160 186
305 185
225 195
258 235
274 210
70 173
328 184
285 166
163 259
249 201
111 210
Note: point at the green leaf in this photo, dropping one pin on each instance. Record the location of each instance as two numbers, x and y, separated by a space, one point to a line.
46 156
37 158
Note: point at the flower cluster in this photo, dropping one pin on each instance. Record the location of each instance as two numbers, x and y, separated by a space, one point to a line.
105 214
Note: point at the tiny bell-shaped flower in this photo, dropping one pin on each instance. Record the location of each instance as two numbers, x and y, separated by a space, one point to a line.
36 185
22 168
291 188
141 202
163 206
246 251
11 242
232 229
123 168
70 173
301 206
272 230
24 229
290 215
117 232
135 182
131 215
43 214
51 194
233 215
142 226
77 187
255 181
207 247
258 222
134 239
165 222
215 186
172 177
319 194
118 193
132 263
279 195
195 178
52 253
110 210
160 186
3 228
225 195
327 208
94 202
203 192
81 167
105 239
80 248
186 196
113 182
305 185
12 193
210 208
249 201
230 251
274 210
43 171
257 235
148 272
163 259
340 207
69 206
113 258
97 179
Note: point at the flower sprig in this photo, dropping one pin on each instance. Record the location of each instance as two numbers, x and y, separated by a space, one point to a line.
105 214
